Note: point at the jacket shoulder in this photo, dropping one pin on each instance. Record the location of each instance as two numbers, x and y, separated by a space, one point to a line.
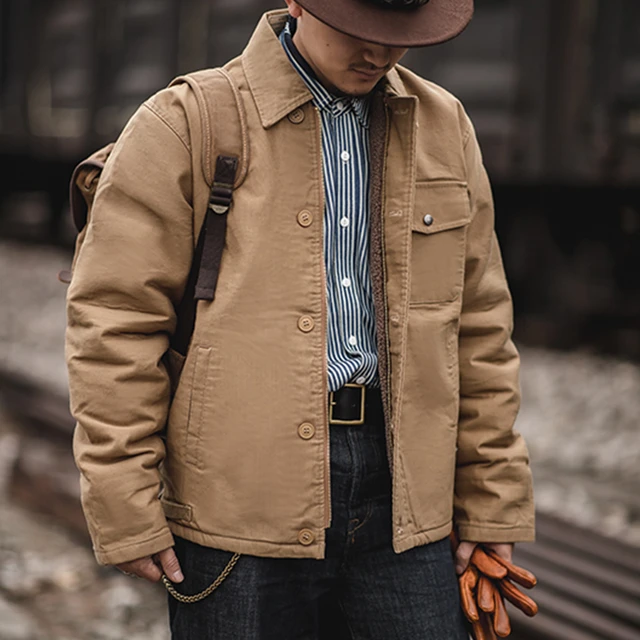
175 106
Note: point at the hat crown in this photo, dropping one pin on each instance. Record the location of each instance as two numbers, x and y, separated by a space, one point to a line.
394 23
400 4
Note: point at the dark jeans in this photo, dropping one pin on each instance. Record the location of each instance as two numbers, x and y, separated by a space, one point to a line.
362 589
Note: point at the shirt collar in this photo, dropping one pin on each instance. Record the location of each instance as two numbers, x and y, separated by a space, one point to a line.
324 99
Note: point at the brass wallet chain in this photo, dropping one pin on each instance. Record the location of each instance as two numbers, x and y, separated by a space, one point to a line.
208 591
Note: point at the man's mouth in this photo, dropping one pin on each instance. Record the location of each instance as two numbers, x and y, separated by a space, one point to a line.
368 73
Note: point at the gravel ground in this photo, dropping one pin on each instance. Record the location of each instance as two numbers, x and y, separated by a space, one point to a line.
51 587
579 417
32 313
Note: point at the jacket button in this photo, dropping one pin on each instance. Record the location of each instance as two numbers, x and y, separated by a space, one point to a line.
306 431
306 537
296 116
306 324
428 220
305 218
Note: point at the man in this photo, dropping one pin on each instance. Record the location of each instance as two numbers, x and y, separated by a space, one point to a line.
350 393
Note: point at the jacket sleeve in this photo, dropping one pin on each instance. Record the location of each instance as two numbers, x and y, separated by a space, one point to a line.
493 488
129 277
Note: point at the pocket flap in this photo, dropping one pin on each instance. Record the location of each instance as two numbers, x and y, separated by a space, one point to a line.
440 206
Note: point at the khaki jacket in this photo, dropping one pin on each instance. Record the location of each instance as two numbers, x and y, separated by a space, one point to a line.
236 456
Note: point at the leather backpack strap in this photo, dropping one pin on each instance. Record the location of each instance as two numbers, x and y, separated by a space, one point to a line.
215 226
223 123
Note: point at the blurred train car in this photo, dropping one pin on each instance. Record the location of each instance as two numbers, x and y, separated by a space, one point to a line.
552 87
73 71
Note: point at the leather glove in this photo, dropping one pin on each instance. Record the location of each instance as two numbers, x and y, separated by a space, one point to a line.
484 585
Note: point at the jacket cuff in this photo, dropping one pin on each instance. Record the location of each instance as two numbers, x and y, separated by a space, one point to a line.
470 532
135 550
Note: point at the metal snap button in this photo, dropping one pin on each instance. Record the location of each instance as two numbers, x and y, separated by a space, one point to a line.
428 220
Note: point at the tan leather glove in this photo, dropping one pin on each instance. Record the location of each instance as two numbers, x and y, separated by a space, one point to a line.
485 584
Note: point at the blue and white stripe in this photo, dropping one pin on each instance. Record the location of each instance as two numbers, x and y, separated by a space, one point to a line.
351 331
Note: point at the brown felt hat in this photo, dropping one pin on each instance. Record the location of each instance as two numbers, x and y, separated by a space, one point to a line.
394 23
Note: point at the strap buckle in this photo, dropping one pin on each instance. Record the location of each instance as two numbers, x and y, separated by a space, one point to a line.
332 403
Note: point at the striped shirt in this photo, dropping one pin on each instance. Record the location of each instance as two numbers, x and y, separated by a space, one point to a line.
351 332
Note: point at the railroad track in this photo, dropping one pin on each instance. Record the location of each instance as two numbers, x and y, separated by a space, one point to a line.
588 585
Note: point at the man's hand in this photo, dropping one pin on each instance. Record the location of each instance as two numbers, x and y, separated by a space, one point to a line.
152 567
465 551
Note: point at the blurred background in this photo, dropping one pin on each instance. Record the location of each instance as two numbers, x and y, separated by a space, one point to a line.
554 91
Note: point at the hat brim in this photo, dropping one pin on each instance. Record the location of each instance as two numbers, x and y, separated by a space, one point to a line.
432 23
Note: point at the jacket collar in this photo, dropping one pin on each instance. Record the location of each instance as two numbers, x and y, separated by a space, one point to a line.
276 86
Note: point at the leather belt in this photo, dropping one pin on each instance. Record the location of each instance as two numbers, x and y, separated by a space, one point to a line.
355 404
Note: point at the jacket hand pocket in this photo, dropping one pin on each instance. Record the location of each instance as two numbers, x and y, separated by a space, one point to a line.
197 401
439 229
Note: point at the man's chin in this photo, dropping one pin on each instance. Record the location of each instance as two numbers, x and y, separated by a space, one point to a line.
351 94
361 91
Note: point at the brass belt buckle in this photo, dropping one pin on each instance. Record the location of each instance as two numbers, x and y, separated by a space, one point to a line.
360 420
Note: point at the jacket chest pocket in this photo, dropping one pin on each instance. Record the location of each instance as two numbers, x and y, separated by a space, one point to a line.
439 230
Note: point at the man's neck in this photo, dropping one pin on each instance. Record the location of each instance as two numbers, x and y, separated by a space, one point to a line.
298 41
